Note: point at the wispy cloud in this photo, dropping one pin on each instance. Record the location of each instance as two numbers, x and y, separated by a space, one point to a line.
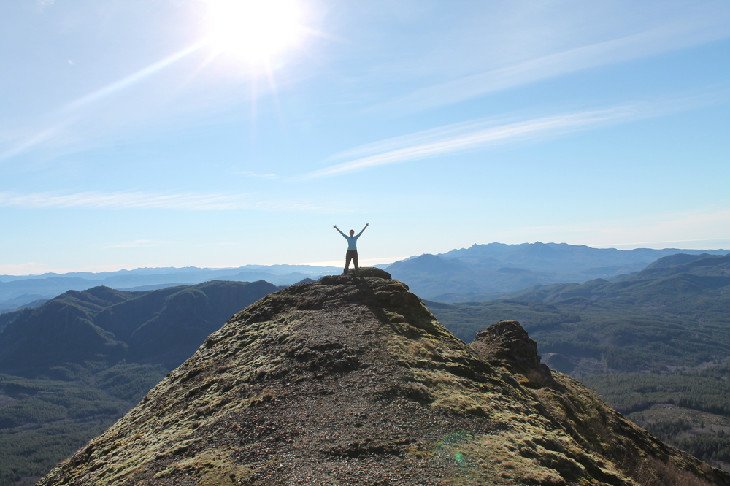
467 136
478 134
69 114
691 30
33 139
147 200
44 4
134 78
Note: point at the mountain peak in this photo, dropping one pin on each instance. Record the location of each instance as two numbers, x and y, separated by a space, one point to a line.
351 380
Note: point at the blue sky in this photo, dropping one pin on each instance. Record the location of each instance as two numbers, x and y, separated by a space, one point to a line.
128 139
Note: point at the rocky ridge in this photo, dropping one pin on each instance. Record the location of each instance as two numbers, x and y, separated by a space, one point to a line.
351 380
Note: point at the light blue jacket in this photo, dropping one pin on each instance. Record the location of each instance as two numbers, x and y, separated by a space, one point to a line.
351 240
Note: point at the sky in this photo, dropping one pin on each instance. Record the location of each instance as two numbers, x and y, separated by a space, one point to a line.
145 133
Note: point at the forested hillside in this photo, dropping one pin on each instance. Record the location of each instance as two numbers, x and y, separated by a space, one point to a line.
655 344
72 366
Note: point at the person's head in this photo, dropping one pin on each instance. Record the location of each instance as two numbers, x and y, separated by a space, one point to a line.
352 232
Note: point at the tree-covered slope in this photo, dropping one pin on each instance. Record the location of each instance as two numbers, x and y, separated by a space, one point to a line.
75 364
655 343
101 324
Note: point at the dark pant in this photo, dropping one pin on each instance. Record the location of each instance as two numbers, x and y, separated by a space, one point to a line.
351 255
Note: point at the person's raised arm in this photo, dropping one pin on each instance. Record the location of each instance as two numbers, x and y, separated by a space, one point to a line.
340 232
363 230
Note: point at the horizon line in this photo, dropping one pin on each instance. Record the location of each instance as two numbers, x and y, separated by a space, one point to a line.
657 246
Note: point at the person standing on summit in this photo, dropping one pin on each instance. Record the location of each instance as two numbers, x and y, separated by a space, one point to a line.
351 246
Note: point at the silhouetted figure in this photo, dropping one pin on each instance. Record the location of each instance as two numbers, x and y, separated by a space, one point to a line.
351 246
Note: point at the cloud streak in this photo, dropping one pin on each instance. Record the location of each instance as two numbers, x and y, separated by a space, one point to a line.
42 5
32 140
479 134
69 112
693 30
133 78
147 200
468 136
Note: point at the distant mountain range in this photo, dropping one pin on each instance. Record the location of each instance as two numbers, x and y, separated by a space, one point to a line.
480 272
483 272
18 291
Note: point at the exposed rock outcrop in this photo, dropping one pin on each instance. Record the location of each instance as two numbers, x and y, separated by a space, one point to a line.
351 380
506 343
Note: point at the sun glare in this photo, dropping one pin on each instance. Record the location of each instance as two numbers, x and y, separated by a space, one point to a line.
254 31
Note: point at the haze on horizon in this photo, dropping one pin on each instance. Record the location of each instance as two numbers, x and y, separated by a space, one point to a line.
177 133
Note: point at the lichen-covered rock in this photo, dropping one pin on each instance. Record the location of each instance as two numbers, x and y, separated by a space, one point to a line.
506 343
351 380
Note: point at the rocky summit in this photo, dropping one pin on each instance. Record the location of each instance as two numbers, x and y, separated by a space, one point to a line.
351 380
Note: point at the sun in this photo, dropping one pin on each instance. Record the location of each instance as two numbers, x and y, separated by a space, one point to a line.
255 32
